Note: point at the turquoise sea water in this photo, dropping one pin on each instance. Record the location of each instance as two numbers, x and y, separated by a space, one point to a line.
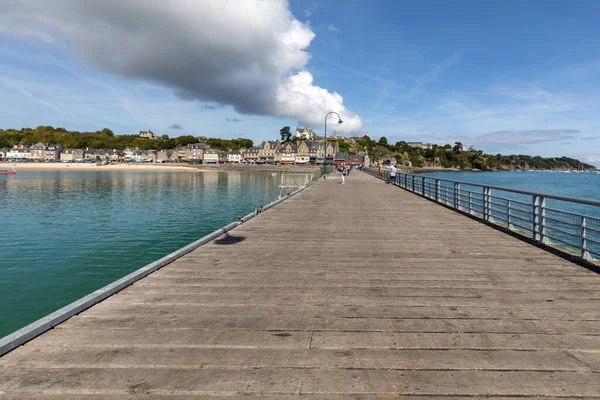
64 234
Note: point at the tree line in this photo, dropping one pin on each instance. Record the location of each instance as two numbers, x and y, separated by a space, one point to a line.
106 139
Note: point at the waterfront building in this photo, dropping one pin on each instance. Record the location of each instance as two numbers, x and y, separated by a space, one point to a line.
302 159
267 151
286 153
348 159
194 153
211 157
37 151
234 157
18 152
52 152
166 155
72 155
93 154
147 156
3 152
131 152
250 155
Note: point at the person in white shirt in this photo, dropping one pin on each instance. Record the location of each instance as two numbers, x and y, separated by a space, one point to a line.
392 174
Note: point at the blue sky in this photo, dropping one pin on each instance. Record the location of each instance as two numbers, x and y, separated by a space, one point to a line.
509 77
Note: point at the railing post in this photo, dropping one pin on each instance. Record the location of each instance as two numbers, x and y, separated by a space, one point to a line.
508 216
457 196
437 190
585 254
423 186
470 203
485 203
412 185
539 218
543 237
490 205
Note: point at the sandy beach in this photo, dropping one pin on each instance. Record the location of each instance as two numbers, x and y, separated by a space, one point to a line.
155 167
93 167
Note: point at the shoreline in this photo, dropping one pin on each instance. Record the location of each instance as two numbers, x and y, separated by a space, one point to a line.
92 167
152 167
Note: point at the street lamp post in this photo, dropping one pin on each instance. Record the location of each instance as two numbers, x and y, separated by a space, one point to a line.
325 141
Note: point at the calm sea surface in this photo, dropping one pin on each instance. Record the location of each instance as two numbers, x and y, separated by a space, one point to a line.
64 234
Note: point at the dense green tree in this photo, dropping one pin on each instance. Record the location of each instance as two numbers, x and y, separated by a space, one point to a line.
457 147
285 133
104 139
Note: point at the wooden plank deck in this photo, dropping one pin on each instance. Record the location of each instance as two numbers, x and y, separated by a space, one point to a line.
355 291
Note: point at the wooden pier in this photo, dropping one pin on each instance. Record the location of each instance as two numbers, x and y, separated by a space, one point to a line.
355 291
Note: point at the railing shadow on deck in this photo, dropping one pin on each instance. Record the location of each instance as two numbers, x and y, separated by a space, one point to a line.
229 239
569 235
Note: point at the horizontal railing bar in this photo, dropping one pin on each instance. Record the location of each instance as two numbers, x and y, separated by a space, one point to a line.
462 189
593 240
521 219
516 211
578 224
512 200
500 219
575 246
498 215
577 235
477 201
591 228
528 211
526 229
499 204
571 213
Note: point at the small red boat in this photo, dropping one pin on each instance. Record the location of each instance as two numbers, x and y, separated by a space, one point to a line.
7 172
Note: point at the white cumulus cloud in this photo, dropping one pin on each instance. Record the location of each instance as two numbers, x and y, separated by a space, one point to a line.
250 54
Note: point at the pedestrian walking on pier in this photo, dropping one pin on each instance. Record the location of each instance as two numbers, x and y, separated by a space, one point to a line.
392 178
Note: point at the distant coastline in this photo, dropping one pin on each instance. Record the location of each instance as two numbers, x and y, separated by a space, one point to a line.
94 167
152 167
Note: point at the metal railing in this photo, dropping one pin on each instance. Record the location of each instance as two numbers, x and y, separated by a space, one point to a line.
572 225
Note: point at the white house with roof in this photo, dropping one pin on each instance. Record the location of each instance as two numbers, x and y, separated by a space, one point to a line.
305 134
18 152
131 152
234 157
